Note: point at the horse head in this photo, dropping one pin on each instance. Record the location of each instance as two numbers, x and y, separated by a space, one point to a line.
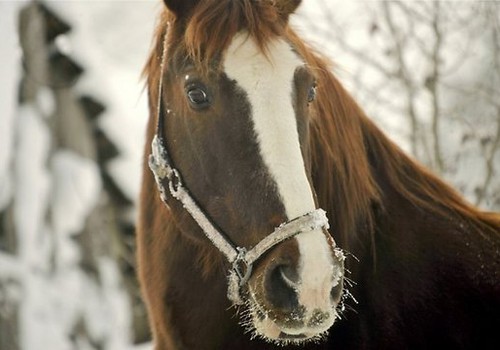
233 116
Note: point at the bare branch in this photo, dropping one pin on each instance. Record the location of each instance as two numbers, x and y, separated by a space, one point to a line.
490 167
432 86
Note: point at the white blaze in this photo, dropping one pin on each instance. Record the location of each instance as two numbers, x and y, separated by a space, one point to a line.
269 83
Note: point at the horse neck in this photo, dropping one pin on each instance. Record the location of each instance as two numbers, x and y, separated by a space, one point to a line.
401 178
426 250
365 181
421 220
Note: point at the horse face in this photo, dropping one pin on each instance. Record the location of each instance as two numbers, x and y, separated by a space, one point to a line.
239 136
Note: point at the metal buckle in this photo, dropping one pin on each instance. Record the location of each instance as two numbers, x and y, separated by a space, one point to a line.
240 266
174 181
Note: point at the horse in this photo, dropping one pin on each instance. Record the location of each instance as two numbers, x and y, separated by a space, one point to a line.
275 214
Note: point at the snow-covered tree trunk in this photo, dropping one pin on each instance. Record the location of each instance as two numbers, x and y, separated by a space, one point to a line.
62 217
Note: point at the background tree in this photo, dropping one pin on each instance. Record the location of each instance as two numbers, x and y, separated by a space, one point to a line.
428 73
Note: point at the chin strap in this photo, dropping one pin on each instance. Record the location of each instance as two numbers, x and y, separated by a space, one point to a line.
168 179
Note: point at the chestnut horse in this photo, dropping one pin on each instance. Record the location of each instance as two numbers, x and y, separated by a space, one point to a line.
249 135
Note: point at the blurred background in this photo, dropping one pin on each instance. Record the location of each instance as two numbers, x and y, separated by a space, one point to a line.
72 118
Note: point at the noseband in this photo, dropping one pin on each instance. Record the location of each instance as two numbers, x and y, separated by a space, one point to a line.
169 180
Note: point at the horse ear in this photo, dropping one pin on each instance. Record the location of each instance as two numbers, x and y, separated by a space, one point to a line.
287 7
180 8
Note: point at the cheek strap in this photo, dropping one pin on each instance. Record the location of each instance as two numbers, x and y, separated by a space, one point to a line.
241 259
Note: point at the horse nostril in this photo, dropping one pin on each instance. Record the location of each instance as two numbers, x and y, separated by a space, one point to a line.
289 275
281 286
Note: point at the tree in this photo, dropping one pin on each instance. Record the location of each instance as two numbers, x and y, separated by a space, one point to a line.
428 73
64 254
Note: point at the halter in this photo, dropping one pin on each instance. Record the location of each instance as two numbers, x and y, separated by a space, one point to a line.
169 180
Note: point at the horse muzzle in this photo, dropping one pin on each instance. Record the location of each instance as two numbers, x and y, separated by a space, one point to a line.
289 305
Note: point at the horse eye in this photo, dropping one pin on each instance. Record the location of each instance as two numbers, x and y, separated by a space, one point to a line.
198 97
311 95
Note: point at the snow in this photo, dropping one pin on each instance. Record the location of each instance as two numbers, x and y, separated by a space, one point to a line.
52 308
54 191
32 182
56 294
45 101
75 192
147 346
113 53
10 73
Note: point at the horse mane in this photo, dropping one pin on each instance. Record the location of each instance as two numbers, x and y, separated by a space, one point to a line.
347 148
213 23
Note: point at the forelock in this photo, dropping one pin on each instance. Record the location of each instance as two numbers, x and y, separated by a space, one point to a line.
213 23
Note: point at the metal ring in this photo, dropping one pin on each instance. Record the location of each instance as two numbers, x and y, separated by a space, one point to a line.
174 181
241 267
